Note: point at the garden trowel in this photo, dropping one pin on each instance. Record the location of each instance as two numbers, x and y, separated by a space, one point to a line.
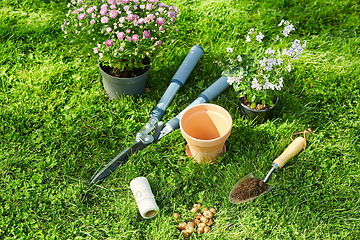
249 187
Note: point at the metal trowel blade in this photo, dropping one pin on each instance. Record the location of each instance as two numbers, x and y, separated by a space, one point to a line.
242 180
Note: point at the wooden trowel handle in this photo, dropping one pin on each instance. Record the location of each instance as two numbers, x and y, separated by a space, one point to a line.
294 148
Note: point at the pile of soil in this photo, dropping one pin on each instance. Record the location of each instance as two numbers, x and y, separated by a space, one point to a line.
249 189
258 106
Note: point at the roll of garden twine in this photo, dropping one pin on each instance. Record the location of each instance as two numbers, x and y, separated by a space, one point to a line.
144 197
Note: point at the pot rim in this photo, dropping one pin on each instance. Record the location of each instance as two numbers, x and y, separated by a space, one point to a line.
101 66
210 140
263 110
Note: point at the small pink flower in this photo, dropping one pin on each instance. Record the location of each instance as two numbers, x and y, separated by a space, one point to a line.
149 6
93 15
135 37
142 6
160 21
118 2
122 19
131 17
111 2
112 14
92 21
103 6
121 35
161 28
141 21
125 1
152 39
90 10
95 50
82 16
146 34
171 14
121 48
127 38
108 29
151 16
128 31
113 7
158 43
101 55
103 11
126 8
109 43
104 20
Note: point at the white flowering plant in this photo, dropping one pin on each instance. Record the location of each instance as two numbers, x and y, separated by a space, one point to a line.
122 33
257 73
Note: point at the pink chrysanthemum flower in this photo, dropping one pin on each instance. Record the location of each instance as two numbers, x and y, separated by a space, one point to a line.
135 37
109 43
82 16
146 34
151 16
90 10
131 17
112 14
160 21
121 35
104 20
149 6
103 11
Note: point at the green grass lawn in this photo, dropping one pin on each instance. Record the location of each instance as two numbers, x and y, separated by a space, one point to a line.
57 128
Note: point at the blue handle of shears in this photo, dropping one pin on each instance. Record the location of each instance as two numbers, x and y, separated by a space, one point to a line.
177 81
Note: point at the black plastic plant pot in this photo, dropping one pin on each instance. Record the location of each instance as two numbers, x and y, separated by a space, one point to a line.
259 116
116 87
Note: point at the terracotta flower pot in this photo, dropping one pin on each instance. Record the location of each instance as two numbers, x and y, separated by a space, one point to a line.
205 127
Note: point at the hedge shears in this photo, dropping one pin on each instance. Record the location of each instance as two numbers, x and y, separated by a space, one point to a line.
154 124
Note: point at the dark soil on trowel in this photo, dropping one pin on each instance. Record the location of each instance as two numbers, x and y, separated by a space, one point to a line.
249 189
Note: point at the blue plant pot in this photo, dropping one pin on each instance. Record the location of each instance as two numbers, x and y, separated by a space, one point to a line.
259 116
